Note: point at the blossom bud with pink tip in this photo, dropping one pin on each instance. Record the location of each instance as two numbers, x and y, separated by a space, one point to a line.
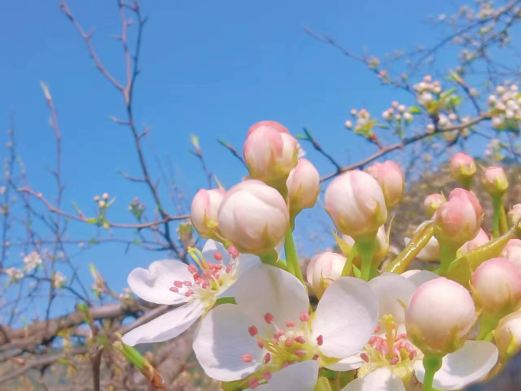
356 204
270 152
432 202
512 252
205 206
434 323
390 177
253 217
507 334
463 168
459 219
324 269
480 239
496 286
303 185
495 181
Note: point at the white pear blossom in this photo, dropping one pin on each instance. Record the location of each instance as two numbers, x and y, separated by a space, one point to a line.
390 359
271 341
32 261
194 289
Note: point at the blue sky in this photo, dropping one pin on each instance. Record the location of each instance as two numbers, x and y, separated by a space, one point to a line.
208 67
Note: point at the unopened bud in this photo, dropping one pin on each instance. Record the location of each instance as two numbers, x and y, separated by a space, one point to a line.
495 181
463 168
205 206
432 202
390 177
303 185
324 269
433 322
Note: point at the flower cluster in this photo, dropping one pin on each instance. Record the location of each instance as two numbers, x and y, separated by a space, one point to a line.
373 322
430 95
505 107
363 122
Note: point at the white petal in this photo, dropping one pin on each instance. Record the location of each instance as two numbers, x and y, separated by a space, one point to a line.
268 289
153 284
245 263
347 364
394 293
381 379
166 326
221 342
418 277
211 247
346 317
465 366
301 376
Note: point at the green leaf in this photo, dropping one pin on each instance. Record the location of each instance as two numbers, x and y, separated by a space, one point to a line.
415 110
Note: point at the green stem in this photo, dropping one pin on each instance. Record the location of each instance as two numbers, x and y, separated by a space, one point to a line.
291 256
497 202
447 256
431 364
419 240
366 248
487 324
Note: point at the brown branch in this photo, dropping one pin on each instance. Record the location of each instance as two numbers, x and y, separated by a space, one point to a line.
407 141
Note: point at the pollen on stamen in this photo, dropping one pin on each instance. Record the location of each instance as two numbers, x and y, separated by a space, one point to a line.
247 358
267 358
320 340
252 330
304 317
268 318
217 256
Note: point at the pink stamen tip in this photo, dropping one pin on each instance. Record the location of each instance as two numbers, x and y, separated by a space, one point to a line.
233 252
268 318
253 331
247 358
300 339
174 289
217 256
260 344
412 355
288 342
228 268
290 324
315 357
267 358
178 284
300 353
192 269
188 283
394 360
320 340
278 334
253 383
189 293
364 357
304 317
266 376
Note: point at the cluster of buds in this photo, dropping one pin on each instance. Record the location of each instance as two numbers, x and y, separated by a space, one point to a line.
433 98
363 122
398 113
13 274
505 107
32 261
58 280
102 201
137 208
389 325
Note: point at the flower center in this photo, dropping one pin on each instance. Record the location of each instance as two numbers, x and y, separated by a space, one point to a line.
389 347
282 345
209 276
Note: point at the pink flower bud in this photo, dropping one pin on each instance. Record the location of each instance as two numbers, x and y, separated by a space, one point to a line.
253 216
459 219
507 334
440 316
390 177
495 181
432 202
324 269
480 239
303 186
496 285
514 214
205 206
512 252
270 152
356 204
462 167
